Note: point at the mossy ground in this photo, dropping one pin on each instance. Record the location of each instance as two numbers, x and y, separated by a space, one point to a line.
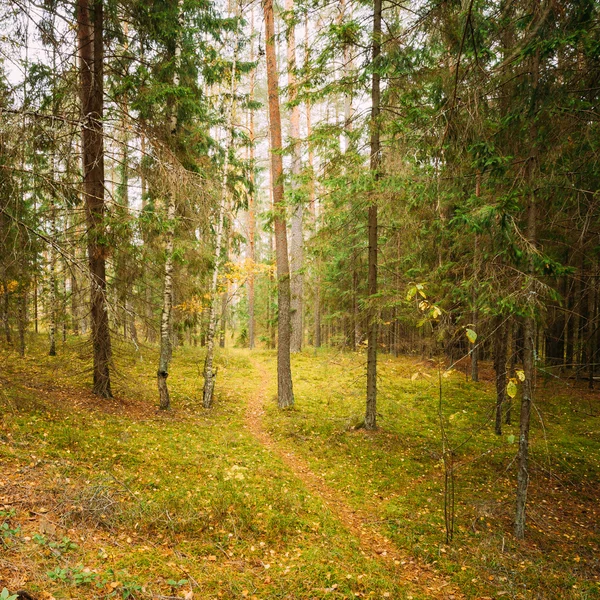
116 499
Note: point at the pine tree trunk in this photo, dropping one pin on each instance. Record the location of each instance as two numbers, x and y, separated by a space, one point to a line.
285 393
529 342
22 319
512 365
91 58
500 358
372 331
6 311
577 309
475 316
35 305
592 328
74 304
524 422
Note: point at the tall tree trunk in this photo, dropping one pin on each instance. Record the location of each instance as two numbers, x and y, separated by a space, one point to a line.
529 322
500 357
577 317
475 316
6 311
166 317
209 373
592 326
35 305
297 235
22 318
148 312
52 308
251 198
372 330
285 392
91 57
74 303
312 205
223 320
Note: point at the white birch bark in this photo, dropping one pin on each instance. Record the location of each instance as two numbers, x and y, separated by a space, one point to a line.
166 319
296 238
209 371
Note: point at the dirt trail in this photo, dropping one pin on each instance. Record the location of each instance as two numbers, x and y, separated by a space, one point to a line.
358 521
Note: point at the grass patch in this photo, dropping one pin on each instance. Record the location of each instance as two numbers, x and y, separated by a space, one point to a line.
398 473
116 499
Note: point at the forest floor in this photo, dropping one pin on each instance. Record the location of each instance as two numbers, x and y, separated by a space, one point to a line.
114 499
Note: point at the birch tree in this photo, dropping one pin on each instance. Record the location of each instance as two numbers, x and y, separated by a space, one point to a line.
209 371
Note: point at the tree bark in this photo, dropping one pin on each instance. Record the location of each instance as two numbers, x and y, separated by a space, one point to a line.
313 209
285 392
529 344
166 318
6 312
251 199
372 331
297 235
500 358
91 57
209 373
52 295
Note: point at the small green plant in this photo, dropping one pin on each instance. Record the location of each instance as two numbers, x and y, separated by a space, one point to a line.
176 584
83 576
58 574
125 589
65 545
6 531
6 595
78 575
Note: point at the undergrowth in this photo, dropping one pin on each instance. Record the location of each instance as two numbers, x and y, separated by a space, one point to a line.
102 499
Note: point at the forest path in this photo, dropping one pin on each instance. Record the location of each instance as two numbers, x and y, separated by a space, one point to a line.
421 578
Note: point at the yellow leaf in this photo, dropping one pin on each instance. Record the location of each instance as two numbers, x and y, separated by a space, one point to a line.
511 388
521 375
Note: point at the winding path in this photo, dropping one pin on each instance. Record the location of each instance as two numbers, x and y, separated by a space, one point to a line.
359 522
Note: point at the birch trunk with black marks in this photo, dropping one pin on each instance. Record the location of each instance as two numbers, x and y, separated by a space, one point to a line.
251 197
52 283
312 203
297 232
52 311
209 371
166 317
